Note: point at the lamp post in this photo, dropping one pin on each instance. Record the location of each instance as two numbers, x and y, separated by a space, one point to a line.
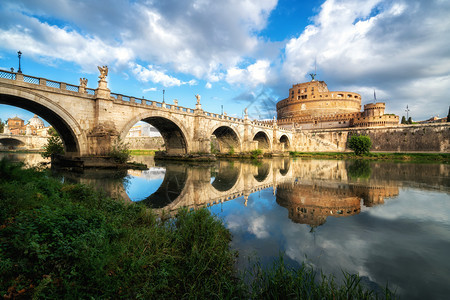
163 95
19 54
407 111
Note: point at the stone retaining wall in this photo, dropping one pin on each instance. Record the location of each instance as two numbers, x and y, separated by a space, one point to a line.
145 143
402 138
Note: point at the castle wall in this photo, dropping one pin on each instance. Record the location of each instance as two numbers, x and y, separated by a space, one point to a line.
400 138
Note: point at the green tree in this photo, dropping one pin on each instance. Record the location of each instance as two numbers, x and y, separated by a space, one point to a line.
360 144
448 116
2 126
403 120
409 120
54 144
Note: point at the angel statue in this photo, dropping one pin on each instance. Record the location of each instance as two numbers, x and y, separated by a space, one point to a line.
103 72
198 98
83 82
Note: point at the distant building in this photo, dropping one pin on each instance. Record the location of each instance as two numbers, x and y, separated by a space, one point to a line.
17 126
311 105
143 129
433 120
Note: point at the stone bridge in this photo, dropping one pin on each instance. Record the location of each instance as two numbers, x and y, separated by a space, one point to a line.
19 142
91 121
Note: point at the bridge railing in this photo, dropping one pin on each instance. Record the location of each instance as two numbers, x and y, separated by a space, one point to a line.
43 82
147 102
75 88
7 75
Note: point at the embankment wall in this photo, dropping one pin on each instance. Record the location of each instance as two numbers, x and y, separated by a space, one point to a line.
145 143
401 138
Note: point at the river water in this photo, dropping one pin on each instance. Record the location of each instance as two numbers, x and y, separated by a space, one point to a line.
389 222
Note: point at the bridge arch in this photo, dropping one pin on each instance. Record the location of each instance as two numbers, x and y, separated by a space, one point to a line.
284 139
64 123
227 138
10 143
263 140
174 133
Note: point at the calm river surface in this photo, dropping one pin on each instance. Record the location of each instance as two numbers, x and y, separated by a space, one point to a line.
389 222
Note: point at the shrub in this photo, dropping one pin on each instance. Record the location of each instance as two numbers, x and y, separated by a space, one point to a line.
120 152
231 150
360 144
255 153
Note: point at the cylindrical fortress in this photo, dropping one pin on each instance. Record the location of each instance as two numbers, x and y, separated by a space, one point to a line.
313 99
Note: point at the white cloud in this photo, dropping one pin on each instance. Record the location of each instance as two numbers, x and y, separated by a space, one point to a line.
152 89
41 39
208 85
253 75
150 74
378 44
258 226
201 38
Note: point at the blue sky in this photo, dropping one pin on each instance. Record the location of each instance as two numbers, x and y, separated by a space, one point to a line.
234 53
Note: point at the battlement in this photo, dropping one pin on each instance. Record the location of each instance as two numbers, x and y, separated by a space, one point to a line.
311 103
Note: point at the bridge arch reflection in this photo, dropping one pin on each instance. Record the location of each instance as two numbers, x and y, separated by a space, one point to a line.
225 176
171 188
311 191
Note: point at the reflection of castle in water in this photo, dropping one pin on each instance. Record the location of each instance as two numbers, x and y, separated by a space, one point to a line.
312 203
311 190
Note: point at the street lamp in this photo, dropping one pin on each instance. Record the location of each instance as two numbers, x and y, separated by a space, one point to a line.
19 54
163 95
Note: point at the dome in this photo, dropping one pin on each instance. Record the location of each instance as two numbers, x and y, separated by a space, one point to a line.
36 122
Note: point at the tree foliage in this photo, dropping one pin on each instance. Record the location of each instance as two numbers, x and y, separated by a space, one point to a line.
360 144
448 116
403 120
54 144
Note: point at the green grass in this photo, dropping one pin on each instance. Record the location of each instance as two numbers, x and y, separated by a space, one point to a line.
412 157
62 240
142 152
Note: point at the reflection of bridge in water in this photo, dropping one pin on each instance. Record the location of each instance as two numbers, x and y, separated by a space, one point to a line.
311 190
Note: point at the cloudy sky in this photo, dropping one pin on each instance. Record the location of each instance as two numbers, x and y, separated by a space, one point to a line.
237 53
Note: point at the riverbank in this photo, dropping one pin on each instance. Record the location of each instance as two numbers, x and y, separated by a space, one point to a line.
407 157
60 240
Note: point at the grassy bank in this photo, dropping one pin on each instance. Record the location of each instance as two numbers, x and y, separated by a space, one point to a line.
143 152
412 157
68 241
